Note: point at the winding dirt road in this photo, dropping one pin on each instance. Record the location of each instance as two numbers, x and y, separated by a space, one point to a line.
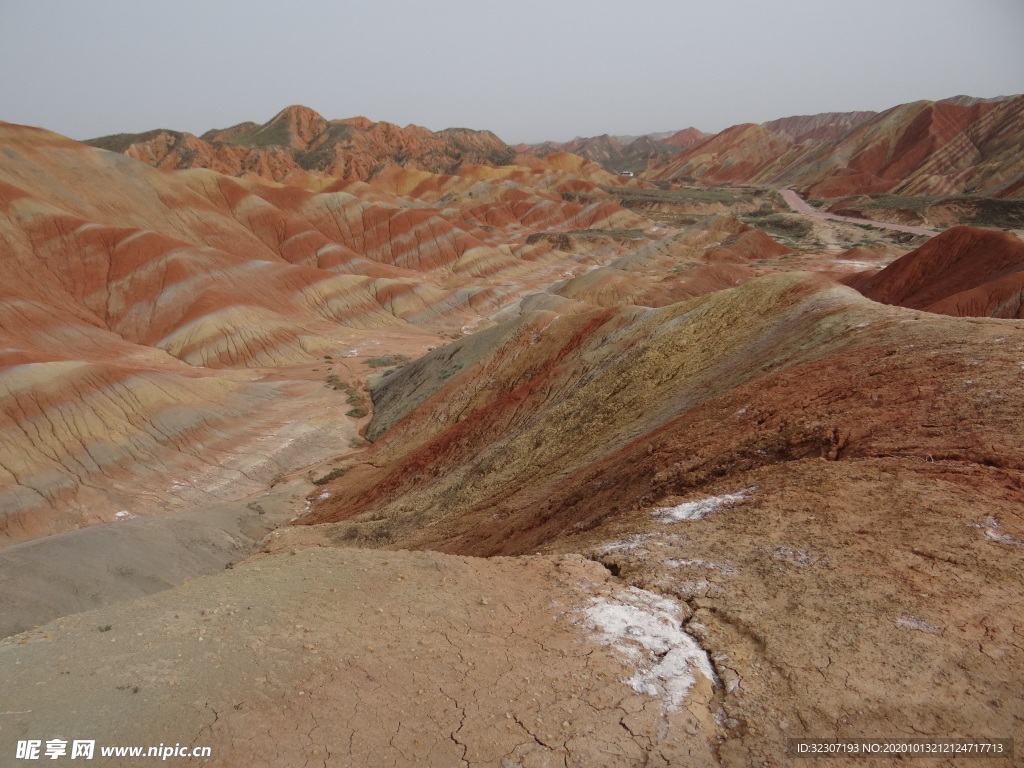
799 206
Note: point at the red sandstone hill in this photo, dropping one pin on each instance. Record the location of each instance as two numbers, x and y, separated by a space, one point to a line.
965 272
138 308
600 149
825 126
920 148
737 154
297 141
688 137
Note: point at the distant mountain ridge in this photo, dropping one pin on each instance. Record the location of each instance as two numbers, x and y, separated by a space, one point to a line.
622 153
299 141
960 145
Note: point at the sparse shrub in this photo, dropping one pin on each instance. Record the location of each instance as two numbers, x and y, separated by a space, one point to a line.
387 361
766 209
356 413
784 225
451 371
369 533
349 534
334 474
353 397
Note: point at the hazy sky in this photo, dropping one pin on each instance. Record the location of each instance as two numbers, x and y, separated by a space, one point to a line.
527 70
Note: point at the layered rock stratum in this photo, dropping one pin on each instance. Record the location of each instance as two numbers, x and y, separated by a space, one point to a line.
621 154
960 145
965 271
298 141
148 316
922 148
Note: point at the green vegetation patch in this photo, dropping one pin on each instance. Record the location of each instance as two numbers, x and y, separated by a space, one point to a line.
637 197
615 234
975 210
353 397
387 361
366 534
334 474
783 225
450 370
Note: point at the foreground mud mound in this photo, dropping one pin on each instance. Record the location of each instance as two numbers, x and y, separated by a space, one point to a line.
855 598
342 657
964 272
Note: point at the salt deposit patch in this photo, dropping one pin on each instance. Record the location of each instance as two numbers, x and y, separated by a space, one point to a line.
855 263
795 556
697 510
647 630
909 622
684 563
634 542
993 533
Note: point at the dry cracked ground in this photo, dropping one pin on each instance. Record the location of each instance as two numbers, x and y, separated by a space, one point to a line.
352 657
707 632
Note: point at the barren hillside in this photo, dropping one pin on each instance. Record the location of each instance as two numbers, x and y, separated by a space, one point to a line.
361 445
922 148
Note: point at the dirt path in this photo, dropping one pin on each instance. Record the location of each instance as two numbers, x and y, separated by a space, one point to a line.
799 206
